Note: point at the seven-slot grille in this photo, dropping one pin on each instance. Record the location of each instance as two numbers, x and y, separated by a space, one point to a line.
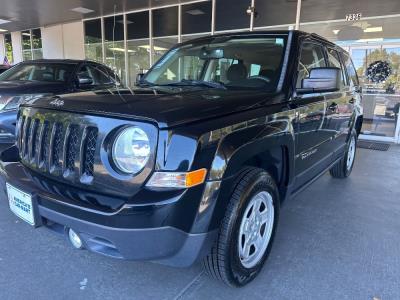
58 148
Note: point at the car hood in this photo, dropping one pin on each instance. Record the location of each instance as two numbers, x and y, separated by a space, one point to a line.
166 107
18 87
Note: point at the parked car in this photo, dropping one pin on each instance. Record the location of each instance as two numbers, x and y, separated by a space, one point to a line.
3 68
196 162
32 79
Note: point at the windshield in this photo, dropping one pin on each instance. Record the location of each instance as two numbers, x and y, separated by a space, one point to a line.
222 62
39 72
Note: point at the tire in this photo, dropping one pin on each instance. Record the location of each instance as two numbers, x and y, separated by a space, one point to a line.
344 166
224 263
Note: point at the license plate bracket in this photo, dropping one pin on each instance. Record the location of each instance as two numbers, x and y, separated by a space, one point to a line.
23 205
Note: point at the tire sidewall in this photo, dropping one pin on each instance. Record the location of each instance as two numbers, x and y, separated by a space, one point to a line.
240 274
347 171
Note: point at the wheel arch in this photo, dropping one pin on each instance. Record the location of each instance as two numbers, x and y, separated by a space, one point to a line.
272 152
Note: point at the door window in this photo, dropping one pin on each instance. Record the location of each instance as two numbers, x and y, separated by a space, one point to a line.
98 75
312 56
351 71
334 61
87 72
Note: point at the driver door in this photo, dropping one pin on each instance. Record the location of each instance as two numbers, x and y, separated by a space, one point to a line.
312 154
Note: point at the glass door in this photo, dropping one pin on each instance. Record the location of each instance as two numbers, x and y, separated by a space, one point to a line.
378 68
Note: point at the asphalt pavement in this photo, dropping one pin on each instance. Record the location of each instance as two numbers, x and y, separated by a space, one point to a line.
339 239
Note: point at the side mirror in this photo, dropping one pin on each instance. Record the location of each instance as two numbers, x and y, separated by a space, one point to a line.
85 80
139 78
321 80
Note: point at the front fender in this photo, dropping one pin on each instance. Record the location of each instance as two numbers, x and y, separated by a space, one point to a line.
234 152
241 146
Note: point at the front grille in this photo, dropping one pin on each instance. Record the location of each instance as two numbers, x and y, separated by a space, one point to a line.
88 153
56 146
72 147
60 149
69 150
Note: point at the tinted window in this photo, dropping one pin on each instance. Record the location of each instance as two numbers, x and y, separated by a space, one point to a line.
275 12
112 76
334 61
36 38
311 56
351 71
26 40
138 25
8 47
92 31
114 28
165 21
40 72
232 14
99 75
196 18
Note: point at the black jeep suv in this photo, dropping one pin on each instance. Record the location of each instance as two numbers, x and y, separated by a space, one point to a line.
195 162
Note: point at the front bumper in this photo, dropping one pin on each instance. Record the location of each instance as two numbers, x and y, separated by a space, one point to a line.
165 243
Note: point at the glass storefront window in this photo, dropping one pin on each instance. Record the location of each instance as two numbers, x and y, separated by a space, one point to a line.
196 17
114 45
26 45
229 15
138 45
137 25
138 58
93 40
165 21
8 48
378 69
37 52
284 12
31 44
161 46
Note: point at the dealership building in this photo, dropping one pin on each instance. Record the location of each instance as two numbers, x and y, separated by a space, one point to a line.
131 36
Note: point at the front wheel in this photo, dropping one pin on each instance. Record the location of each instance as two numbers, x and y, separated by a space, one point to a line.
247 230
344 166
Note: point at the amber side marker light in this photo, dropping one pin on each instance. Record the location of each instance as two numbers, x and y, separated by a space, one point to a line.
177 179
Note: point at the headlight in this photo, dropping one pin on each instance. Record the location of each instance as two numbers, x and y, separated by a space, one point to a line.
131 150
12 102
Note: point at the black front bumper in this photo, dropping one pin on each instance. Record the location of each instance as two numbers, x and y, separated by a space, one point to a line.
102 234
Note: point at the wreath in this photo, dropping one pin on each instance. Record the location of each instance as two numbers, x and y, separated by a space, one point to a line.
378 71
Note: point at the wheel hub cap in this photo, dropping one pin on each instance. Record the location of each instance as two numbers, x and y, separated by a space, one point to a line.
351 153
256 229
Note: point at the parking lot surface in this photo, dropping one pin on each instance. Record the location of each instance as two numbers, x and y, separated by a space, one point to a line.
339 239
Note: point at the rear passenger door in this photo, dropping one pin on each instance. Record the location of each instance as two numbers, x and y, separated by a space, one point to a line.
339 107
312 143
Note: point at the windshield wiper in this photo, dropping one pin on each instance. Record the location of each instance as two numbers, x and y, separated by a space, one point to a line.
187 82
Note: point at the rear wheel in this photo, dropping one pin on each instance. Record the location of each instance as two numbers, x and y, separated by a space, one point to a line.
344 166
247 231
